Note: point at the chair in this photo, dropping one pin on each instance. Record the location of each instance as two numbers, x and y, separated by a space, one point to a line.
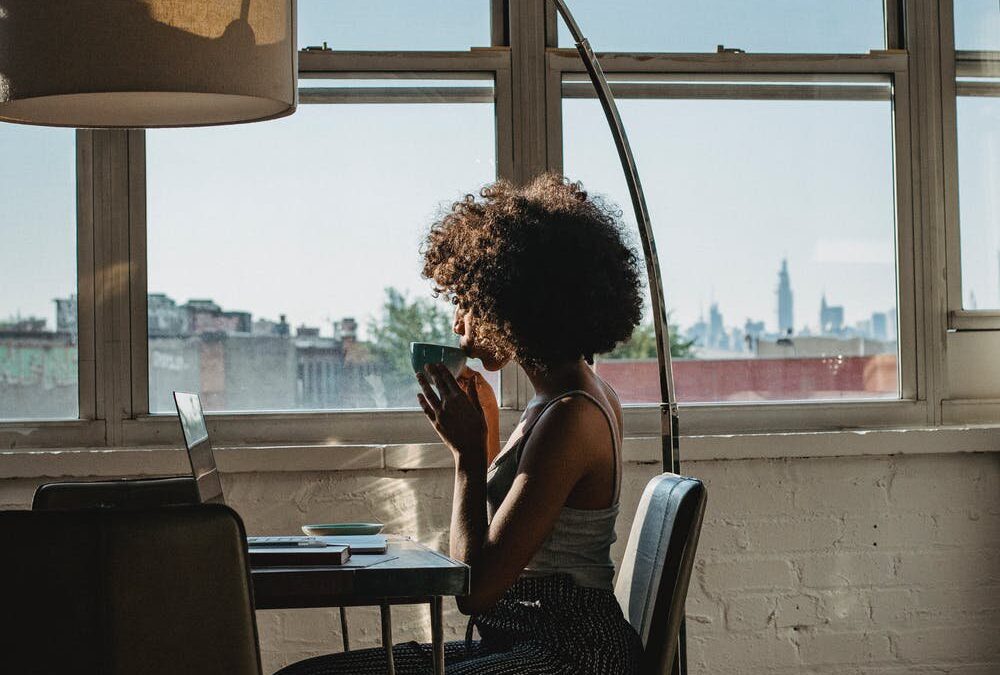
122 591
140 493
656 569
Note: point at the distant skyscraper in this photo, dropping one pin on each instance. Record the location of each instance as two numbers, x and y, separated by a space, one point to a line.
831 318
716 330
880 325
785 317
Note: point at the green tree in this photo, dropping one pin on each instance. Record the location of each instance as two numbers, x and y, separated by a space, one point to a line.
642 345
401 322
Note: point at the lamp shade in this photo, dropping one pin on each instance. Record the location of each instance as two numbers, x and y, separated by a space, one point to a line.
146 63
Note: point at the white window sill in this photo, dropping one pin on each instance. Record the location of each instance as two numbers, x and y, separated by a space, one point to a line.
105 462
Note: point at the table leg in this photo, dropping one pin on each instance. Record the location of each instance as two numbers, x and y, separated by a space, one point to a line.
387 639
437 633
343 629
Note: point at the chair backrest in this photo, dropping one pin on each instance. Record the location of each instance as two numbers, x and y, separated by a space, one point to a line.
653 579
121 591
141 493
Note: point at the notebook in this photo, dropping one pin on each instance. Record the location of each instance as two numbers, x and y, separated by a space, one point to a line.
359 543
298 556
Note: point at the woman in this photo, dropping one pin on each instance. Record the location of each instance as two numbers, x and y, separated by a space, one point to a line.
542 275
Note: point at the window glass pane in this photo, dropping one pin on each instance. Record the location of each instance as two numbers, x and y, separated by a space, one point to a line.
284 265
38 335
367 25
979 199
775 227
781 26
977 25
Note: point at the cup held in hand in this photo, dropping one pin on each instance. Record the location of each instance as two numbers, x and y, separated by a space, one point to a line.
422 353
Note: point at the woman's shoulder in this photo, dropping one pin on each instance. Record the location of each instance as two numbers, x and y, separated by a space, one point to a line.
582 400
614 403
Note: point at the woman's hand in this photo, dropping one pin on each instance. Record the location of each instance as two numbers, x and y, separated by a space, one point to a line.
456 415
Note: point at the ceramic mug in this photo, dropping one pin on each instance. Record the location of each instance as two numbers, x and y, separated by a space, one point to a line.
422 353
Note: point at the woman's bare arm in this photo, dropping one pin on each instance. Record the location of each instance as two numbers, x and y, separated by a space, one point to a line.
563 445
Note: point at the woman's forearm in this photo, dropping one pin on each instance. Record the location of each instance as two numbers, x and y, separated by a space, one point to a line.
468 511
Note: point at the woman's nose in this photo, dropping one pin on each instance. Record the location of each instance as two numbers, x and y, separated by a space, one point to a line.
458 325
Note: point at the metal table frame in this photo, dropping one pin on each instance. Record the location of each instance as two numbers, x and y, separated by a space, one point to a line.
408 574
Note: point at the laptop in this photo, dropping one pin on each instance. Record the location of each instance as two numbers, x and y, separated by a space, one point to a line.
209 486
199 448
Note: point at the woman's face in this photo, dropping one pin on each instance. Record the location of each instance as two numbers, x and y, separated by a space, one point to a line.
464 327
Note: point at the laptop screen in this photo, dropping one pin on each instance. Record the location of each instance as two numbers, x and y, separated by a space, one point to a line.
199 448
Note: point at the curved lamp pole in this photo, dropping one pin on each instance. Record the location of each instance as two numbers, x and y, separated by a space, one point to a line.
669 432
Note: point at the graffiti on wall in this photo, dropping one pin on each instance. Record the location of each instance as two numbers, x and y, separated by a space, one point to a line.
48 366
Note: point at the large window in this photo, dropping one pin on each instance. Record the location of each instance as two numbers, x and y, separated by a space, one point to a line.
775 225
287 277
822 179
38 306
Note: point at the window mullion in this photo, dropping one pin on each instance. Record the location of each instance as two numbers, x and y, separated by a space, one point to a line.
111 282
138 295
527 38
510 375
929 208
909 340
85 272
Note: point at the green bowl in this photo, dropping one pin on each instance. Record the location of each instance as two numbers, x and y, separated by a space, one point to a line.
422 353
332 529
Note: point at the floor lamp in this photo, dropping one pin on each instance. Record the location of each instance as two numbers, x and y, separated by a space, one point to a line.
669 429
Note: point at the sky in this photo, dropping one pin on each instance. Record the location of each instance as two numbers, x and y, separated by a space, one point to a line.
734 186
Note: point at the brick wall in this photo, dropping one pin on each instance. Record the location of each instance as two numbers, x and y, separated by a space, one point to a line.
834 565
873 565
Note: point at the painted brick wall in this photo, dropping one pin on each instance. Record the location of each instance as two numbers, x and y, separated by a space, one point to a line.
837 565
869 565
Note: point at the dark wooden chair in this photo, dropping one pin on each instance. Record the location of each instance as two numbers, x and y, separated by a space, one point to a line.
141 493
123 591
653 580
133 493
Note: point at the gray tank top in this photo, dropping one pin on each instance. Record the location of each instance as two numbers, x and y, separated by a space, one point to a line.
580 542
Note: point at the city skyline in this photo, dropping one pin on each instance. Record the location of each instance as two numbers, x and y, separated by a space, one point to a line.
162 307
733 187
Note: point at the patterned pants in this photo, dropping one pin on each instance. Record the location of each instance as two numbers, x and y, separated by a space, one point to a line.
541 625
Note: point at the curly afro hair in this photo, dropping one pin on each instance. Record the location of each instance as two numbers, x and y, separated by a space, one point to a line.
547 271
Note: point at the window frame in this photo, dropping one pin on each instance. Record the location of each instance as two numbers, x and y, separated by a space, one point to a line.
327 426
89 427
911 407
527 69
